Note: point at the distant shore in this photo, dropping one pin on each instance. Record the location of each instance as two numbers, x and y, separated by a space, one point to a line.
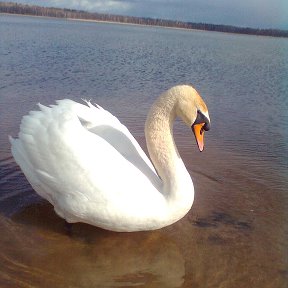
112 22
131 24
77 15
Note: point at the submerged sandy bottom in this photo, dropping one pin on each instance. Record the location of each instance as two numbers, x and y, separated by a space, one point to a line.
234 236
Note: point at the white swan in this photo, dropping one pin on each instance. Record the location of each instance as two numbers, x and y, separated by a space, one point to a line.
91 169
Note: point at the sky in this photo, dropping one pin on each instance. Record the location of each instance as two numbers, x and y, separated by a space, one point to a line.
243 13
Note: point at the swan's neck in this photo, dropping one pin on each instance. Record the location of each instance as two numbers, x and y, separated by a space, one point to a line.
177 183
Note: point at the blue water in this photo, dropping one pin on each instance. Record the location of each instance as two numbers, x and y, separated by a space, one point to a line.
243 78
244 169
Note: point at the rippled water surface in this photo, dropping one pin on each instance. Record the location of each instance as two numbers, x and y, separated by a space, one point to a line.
236 234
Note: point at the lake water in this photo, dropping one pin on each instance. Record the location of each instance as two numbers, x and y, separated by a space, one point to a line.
236 234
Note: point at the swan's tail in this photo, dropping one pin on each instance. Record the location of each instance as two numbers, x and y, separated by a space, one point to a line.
20 157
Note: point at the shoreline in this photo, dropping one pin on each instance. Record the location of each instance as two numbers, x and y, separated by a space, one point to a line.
111 22
139 25
136 24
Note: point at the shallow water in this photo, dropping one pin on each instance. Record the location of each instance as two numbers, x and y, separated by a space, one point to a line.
236 234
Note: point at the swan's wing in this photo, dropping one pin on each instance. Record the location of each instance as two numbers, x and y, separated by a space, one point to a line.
73 168
102 123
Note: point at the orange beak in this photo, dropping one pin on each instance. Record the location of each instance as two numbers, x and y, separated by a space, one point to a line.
199 135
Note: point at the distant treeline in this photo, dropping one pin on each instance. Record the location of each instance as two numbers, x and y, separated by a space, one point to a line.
15 8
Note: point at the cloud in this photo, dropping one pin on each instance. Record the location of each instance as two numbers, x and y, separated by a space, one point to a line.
109 6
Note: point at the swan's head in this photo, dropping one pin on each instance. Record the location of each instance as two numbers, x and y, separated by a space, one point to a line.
193 111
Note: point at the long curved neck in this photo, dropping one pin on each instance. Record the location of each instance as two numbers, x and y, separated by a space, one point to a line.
177 183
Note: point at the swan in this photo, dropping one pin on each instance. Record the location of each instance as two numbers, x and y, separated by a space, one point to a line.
86 163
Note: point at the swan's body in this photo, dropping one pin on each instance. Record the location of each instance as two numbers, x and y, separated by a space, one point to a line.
91 169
